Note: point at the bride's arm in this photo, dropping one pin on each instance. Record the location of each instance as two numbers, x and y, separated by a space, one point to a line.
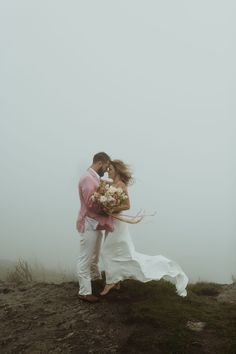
121 208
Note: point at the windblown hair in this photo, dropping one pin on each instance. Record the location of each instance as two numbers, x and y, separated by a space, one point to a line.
101 156
123 171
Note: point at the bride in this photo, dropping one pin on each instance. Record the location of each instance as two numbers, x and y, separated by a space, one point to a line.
119 257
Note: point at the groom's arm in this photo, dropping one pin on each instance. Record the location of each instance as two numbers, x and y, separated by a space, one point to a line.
87 190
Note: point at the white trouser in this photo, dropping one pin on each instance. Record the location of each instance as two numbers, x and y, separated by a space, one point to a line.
87 263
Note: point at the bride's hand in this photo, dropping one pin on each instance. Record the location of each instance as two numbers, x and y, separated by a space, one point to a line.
107 211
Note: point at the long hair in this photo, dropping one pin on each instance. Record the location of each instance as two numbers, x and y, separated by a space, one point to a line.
123 170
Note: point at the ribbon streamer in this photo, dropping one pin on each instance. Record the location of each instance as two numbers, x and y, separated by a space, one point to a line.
131 219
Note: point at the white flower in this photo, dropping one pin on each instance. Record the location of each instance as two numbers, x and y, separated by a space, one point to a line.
112 189
110 199
119 190
105 178
103 199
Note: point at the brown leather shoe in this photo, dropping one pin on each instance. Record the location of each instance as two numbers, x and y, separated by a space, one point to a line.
88 298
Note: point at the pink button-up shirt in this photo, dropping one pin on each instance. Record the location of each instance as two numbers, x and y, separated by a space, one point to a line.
88 183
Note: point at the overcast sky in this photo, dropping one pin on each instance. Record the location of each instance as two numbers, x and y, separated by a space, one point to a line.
149 82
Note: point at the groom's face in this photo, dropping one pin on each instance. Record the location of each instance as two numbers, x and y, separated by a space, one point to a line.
103 168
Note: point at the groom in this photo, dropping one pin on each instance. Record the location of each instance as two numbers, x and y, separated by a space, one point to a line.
90 224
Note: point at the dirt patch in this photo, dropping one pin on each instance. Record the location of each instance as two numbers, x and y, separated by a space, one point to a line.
49 318
228 294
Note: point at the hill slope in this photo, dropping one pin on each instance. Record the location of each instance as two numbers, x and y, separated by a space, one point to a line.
140 318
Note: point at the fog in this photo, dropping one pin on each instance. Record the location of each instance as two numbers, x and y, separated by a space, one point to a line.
148 82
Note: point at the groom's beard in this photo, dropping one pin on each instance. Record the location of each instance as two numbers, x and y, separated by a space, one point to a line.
100 172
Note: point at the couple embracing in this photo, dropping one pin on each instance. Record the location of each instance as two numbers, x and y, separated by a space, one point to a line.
118 254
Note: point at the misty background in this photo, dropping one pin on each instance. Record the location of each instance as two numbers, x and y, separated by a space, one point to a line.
149 82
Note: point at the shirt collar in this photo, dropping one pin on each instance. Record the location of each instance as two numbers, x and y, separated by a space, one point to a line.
92 170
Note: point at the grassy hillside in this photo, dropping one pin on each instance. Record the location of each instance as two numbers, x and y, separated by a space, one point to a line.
199 323
39 317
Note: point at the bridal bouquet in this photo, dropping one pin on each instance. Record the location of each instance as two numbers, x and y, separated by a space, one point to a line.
107 197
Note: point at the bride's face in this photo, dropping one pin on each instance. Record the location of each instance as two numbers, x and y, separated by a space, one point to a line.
112 172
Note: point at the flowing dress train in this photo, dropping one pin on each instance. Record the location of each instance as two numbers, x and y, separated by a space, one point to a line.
121 261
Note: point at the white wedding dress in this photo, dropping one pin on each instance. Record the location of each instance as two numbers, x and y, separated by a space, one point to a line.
121 261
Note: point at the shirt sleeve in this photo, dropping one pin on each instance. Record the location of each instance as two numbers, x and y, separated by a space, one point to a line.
87 189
